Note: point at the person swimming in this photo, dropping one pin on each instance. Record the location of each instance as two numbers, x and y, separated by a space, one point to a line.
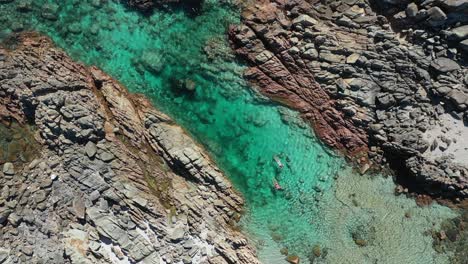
278 161
277 186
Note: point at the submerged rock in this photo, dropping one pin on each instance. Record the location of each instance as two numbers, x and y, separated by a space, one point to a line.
50 11
293 259
147 6
24 5
317 251
153 62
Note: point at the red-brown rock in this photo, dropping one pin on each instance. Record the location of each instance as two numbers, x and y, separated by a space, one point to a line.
263 41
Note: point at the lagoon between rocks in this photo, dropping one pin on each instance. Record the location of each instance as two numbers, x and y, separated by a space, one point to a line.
325 212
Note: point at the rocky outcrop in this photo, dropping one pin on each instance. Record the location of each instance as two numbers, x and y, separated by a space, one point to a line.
363 87
114 181
433 23
279 69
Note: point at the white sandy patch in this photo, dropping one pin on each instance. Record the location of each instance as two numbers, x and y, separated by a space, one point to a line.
456 132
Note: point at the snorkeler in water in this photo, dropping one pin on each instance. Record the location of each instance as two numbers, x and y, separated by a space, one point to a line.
278 161
277 186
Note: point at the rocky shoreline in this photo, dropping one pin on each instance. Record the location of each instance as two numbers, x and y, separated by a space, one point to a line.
113 180
93 174
367 89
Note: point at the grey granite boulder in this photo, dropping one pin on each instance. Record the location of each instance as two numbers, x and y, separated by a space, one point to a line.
8 168
444 65
464 46
459 33
436 16
412 10
454 5
4 255
90 149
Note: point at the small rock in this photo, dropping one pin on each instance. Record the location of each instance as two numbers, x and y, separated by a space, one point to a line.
459 33
284 251
46 183
4 254
8 168
360 242
90 149
118 252
443 65
317 251
53 177
442 235
411 10
434 145
353 58
106 156
33 164
94 195
304 20
50 11
293 259
79 208
24 6
4 213
177 234
454 5
464 46
14 220
28 250
310 54
190 85
346 22
330 57
436 16
74 28
186 259
189 244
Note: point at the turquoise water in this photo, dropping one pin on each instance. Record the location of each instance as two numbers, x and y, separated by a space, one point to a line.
185 66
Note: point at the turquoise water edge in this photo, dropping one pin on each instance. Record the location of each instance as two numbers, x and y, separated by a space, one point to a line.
185 66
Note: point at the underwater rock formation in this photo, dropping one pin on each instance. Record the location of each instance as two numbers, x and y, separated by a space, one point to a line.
146 6
364 87
114 180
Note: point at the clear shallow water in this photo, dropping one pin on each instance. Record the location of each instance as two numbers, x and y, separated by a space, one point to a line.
166 53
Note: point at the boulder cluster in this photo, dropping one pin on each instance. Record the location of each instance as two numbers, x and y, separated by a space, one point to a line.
113 181
365 86
447 18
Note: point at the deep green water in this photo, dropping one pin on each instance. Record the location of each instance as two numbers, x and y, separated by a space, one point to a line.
323 203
